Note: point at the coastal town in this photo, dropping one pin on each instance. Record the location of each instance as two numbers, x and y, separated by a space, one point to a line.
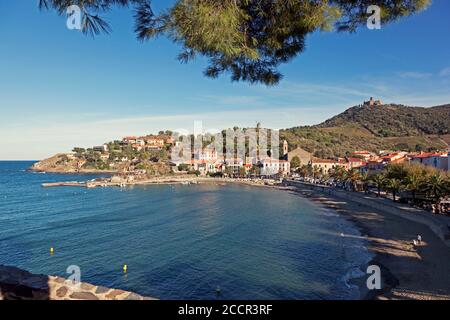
147 159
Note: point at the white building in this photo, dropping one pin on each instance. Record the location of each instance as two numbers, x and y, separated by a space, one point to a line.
435 160
271 167
206 155
102 148
235 164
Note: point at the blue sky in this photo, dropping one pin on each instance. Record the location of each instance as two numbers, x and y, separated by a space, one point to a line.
59 88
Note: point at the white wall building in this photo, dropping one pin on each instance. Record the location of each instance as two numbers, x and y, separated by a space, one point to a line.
273 166
435 160
206 155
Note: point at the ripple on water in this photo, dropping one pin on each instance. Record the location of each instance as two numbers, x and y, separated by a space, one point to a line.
180 242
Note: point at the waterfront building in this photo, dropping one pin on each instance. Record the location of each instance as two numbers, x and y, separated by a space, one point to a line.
326 165
206 154
270 166
436 160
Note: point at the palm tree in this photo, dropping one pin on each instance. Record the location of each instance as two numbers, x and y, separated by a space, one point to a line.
414 183
365 178
394 185
316 171
338 173
352 176
303 171
437 186
379 180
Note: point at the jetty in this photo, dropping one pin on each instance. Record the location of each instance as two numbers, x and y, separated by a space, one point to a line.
64 184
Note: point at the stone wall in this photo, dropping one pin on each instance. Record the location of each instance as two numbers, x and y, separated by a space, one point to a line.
17 284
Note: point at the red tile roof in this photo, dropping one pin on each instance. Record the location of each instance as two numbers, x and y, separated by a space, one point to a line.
427 155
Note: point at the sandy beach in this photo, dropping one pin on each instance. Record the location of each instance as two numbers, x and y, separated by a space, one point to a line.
408 272
420 273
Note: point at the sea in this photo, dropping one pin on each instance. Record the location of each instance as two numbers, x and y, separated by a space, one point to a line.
193 242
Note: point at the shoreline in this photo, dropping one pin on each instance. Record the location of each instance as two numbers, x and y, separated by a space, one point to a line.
408 272
19 284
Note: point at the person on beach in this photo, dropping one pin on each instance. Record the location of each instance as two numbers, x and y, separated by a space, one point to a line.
419 239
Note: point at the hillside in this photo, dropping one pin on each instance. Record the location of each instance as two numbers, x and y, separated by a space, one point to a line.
374 128
395 120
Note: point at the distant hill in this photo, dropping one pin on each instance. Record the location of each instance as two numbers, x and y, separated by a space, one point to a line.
395 120
374 128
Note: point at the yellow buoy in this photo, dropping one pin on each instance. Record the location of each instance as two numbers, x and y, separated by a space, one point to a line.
52 251
125 268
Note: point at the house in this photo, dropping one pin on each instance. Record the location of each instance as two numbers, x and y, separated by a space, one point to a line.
140 142
103 148
167 138
354 163
203 166
235 164
445 163
436 160
270 166
366 155
326 165
154 142
129 140
396 157
206 154
374 165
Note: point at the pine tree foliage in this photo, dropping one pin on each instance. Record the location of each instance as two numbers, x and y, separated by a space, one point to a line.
249 39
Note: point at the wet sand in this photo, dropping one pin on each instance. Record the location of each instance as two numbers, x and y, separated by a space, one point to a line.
408 272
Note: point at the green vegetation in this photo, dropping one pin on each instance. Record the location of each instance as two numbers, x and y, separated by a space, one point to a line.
417 184
388 127
247 38
395 120
295 163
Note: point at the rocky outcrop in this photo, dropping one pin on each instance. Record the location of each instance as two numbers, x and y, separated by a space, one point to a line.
18 284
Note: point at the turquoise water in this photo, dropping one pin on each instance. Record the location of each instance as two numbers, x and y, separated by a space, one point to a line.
179 242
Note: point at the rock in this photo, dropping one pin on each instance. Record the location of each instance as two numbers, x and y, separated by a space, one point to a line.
87 286
17 284
36 282
84 296
101 290
113 294
60 280
133 296
40 295
61 292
